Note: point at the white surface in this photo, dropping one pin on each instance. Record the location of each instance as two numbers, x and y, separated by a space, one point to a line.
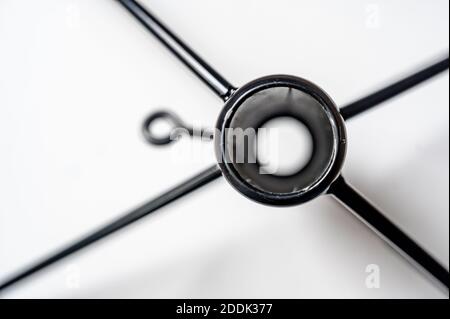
78 76
284 146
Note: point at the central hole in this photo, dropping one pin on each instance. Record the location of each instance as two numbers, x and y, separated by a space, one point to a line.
284 146
161 127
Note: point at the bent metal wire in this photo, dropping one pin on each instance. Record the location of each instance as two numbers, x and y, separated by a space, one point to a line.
321 176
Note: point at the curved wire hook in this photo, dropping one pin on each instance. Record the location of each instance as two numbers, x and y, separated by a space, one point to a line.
178 128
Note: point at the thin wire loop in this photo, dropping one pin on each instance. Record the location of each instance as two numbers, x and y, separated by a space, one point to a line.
178 129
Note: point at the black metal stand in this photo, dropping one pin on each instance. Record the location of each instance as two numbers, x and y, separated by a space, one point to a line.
340 189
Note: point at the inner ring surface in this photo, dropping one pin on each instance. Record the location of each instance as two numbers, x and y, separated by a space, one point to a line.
269 98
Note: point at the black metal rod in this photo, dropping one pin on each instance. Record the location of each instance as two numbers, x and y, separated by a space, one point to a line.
394 236
180 49
393 90
190 185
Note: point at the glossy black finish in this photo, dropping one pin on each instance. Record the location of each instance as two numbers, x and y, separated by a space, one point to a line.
373 218
331 182
185 188
273 96
180 49
394 89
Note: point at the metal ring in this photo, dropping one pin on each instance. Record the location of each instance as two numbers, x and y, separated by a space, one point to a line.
270 97
173 119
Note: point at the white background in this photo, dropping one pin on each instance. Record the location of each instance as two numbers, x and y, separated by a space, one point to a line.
78 76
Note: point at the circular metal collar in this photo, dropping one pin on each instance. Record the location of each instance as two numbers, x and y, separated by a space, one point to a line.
260 101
